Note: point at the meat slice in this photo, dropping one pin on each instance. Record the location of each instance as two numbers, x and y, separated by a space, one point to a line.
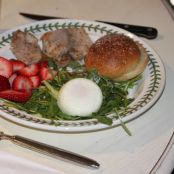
79 43
65 44
55 43
25 47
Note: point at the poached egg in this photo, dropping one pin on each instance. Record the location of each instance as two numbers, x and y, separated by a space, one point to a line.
80 97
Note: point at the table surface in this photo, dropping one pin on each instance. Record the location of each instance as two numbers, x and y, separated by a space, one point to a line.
112 148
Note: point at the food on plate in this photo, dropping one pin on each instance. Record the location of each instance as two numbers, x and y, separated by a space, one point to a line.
17 64
45 73
25 47
16 96
11 78
61 45
22 83
65 44
79 43
55 45
79 97
17 80
4 83
6 67
36 81
54 83
54 100
29 70
117 56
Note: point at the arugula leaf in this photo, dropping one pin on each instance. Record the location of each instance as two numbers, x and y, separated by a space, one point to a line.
44 99
52 64
122 123
104 120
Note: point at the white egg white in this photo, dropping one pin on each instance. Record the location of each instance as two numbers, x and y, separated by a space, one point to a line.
79 97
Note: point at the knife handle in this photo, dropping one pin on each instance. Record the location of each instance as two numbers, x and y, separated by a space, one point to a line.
52 151
142 31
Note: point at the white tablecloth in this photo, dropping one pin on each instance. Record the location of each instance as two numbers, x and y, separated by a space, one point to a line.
112 148
12 164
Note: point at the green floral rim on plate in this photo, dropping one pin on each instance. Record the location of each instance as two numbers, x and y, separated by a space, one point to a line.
154 71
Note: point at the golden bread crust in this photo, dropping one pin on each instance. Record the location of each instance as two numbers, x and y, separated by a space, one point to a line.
114 56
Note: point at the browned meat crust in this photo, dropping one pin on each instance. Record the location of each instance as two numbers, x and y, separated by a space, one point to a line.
55 43
25 47
61 45
65 44
79 43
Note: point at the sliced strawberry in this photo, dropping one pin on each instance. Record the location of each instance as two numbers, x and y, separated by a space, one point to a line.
43 64
17 96
4 83
46 75
17 65
12 77
6 67
22 83
36 81
30 70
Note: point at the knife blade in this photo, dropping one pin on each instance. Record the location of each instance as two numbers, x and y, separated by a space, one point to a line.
142 31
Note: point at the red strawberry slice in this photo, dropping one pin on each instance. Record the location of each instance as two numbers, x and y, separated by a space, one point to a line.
22 83
6 67
30 70
46 75
17 96
12 77
36 81
4 83
17 65
43 64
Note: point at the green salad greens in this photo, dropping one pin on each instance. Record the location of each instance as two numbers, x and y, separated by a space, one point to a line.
43 102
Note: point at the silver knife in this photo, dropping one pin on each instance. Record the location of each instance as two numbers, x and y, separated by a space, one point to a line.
50 150
142 31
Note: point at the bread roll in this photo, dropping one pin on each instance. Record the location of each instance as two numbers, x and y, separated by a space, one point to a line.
117 56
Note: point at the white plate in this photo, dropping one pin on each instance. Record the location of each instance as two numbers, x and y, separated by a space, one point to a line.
147 93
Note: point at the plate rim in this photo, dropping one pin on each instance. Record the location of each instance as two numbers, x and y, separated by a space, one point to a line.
95 126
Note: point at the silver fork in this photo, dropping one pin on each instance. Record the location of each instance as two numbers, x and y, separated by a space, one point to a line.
49 150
